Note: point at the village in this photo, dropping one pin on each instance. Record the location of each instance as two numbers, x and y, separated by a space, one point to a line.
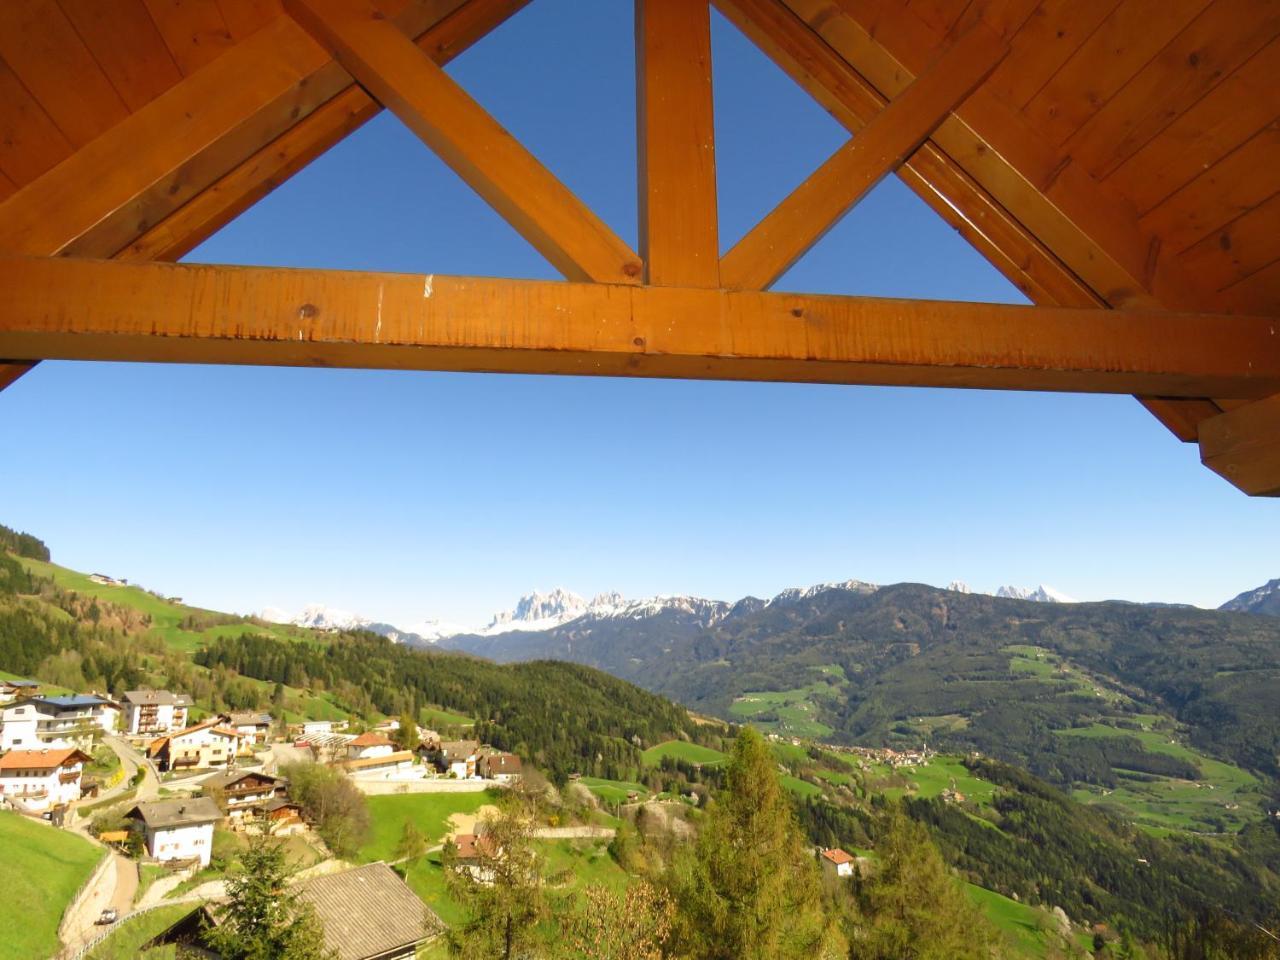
177 780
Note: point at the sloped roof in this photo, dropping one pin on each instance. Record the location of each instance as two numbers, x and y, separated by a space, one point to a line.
220 781
149 697
47 758
837 856
161 814
389 759
368 911
371 739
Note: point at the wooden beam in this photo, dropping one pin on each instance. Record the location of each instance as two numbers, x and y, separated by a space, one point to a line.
803 218
160 157
994 230
679 222
12 370
1243 446
273 164
109 310
405 80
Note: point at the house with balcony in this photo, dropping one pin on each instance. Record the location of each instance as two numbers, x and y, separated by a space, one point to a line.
153 712
370 744
254 728
242 794
458 758
205 745
37 780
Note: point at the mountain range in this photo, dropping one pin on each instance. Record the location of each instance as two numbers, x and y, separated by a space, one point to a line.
538 611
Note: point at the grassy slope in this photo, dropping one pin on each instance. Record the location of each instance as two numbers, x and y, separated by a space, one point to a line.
41 868
1019 922
166 618
1161 804
613 791
429 811
125 940
681 750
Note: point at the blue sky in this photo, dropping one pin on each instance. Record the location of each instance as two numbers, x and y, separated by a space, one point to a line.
407 495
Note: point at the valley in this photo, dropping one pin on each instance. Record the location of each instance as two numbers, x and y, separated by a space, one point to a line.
934 702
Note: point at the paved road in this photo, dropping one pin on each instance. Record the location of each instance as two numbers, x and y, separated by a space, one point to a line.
115 888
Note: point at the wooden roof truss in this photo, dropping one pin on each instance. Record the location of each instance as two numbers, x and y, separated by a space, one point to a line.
1118 161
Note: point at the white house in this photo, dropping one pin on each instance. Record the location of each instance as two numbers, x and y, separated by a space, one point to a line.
837 863
370 744
207 744
317 726
56 721
149 712
37 780
387 766
503 767
254 728
177 829
458 758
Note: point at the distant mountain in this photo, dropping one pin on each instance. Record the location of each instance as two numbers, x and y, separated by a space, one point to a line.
318 616
1264 599
862 663
1040 594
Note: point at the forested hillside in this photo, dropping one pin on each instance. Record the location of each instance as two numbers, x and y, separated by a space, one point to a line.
911 662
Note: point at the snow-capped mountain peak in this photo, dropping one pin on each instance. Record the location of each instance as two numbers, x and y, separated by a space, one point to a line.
317 616
1264 599
1040 594
538 611
958 586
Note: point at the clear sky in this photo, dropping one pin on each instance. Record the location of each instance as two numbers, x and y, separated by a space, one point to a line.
408 495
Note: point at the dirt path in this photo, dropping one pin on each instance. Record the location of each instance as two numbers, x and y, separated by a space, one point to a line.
114 888
466 822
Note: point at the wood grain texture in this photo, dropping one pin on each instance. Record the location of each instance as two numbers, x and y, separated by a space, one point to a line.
457 27
194 31
109 310
474 145
678 217
771 247
42 47
1243 446
124 40
30 142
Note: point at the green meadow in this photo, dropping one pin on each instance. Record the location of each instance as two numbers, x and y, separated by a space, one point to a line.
682 750
41 868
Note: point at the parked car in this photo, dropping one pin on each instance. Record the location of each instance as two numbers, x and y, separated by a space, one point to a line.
107 916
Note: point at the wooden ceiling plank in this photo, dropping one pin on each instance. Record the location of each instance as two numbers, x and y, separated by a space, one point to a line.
69 308
1217 42
125 42
1258 293
1231 187
1010 245
1217 124
245 17
771 247
30 142
1243 446
237 190
43 49
1053 32
193 30
675 138
1091 230
445 117
1123 43
157 158
1239 249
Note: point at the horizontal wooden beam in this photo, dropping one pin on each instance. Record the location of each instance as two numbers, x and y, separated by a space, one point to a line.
1243 446
464 135
797 223
108 310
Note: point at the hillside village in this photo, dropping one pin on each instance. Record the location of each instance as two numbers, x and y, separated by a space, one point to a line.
179 782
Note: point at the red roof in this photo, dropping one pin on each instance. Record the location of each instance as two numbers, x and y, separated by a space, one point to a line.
44 759
471 847
371 739
837 856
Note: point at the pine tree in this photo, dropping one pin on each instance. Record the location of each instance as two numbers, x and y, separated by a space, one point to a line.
749 889
261 919
914 909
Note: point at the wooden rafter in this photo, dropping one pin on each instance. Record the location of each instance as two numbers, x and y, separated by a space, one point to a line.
1243 446
679 226
803 218
445 117
447 27
109 310
816 61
